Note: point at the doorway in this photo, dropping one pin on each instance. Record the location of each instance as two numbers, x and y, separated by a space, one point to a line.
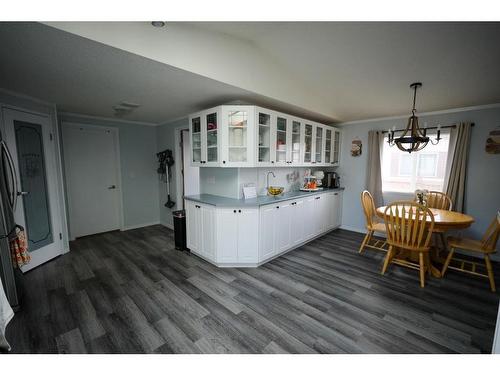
29 136
93 181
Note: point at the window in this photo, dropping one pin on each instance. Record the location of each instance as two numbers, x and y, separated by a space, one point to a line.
425 169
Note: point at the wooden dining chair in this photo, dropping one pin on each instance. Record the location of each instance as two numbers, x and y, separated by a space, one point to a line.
409 227
436 199
486 246
372 224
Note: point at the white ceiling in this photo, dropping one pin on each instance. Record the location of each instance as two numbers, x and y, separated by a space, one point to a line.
86 77
325 71
365 69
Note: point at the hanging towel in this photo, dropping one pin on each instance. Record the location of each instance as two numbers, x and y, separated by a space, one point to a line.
19 248
6 314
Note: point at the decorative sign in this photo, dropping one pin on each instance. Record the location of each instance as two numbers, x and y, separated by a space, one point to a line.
493 142
356 147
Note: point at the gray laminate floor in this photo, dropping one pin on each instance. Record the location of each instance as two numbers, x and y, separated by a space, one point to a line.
131 292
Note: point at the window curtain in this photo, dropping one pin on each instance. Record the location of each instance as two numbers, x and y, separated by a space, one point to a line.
374 175
456 165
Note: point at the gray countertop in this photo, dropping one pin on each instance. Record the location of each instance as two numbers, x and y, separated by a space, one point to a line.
216 200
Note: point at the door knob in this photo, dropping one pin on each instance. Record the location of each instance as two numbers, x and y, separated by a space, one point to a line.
111 187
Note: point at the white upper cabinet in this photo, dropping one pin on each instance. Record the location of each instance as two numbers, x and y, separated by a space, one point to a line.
328 145
336 148
309 134
250 136
282 131
296 143
238 132
319 146
205 138
265 150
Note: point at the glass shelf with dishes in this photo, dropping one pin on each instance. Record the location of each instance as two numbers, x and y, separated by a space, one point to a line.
308 135
281 139
264 137
319 145
328 145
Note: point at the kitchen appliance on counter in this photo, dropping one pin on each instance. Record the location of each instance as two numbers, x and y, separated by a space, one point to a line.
331 180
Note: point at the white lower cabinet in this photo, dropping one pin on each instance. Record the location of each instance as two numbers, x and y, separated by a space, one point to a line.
237 235
284 221
267 229
297 222
250 236
201 229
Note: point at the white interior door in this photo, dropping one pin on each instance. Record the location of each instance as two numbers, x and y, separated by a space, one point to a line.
30 140
92 168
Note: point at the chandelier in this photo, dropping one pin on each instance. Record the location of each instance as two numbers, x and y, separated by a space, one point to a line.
413 138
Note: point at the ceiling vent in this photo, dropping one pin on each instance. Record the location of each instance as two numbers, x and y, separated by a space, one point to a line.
125 108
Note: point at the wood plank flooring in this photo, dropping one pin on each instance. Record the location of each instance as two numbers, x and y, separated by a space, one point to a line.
131 292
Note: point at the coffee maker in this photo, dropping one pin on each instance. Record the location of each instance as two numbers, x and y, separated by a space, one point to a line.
331 180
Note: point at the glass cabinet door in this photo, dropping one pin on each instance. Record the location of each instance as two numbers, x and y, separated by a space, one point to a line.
336 147
319 144
264 137
281 129
238 135
296 142
308 143
212 137
196 139
328 145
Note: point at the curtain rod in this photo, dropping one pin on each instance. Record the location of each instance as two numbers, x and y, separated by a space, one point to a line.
429 128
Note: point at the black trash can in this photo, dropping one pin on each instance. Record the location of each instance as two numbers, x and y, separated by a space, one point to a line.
180 229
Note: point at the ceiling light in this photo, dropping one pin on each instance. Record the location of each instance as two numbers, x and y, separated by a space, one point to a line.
158 23
413 138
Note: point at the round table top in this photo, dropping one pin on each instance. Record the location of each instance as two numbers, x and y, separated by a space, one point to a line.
443 218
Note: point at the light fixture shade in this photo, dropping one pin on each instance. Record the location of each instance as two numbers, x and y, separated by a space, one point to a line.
412 138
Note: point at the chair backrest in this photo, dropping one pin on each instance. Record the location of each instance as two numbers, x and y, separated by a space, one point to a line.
368 207
436 199
490 238
408 225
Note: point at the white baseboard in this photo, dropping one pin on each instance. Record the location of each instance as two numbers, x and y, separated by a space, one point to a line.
129 227
353 229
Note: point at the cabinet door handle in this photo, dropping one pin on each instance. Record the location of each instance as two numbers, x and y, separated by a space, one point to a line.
197 206
239 211
272 161
317 197
335 193
223 162
277 206
234 211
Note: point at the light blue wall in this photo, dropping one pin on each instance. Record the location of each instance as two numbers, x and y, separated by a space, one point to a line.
483 178
165 139
138 168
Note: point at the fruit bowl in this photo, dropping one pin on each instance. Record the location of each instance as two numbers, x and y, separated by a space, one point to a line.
275 190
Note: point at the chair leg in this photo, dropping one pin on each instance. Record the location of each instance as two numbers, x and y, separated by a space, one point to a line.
422 269
447 262
387 259
428 261
490 272
365 240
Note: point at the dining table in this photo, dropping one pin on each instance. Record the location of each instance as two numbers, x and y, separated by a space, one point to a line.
444 220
